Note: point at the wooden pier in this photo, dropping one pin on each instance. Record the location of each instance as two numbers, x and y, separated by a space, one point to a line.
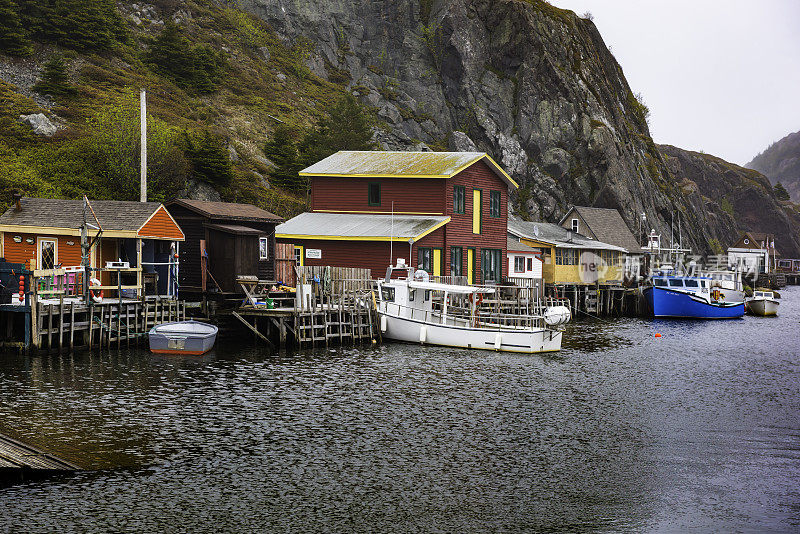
19 461
597 300
66 324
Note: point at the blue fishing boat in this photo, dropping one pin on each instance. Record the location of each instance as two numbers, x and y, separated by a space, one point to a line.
689 297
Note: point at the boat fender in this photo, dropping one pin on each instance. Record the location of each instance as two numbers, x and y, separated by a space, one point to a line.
97 296
498 341
384 323
423 334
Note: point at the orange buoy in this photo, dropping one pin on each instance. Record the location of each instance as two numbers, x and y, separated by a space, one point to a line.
658 335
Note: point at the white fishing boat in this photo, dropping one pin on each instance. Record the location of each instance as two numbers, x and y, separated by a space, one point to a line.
406 309
762 303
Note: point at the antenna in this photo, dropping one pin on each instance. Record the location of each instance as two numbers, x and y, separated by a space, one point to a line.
391 239
143 162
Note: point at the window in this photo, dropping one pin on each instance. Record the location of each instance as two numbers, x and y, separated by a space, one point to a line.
691 283
298 256
519 264
387 294
48 254
263 248
411 293
374 194
674 282
456 261
575 225
530 264
494 204
491 265
425 259
477 207
659 282
566 256
458 199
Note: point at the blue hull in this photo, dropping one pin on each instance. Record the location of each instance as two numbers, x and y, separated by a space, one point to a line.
666 303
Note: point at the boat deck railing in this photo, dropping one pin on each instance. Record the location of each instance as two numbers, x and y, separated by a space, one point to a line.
483 319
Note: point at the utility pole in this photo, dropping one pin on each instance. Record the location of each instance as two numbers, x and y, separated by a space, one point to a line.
143 119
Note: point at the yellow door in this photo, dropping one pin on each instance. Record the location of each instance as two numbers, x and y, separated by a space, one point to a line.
476 211
437 262
470 265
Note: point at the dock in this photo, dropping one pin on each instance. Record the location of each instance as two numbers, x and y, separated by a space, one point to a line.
19 461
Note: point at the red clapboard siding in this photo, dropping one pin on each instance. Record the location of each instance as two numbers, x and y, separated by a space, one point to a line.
410 195
161 225
68 255
494 229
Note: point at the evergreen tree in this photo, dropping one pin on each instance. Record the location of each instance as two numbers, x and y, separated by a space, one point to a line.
208 158
346 127
55 80
198 67
77 24
282 151
13 38
780 192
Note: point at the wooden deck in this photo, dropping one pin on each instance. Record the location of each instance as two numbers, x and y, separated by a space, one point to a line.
19 461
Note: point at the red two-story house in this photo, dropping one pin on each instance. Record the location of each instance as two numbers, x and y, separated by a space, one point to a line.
445 212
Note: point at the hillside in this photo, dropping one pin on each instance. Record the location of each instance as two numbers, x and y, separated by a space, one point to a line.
781 163
532 85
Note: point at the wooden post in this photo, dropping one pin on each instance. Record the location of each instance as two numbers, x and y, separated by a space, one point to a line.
127 325
90 320
139 288
108 329
60 322
71 325
49 327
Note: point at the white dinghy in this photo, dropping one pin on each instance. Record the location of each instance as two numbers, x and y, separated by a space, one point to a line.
407 314
762 303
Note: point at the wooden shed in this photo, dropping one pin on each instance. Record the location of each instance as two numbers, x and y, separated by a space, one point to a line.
223 240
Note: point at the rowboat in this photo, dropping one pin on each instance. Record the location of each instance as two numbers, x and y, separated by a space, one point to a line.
191 338
762 303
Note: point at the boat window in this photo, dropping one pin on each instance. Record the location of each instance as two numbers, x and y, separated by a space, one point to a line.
411 295
728 278
427 295
691 283
387 294
660 282
675 282
702 283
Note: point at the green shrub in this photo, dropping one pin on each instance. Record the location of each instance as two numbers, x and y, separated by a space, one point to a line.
77 24
780 192
208 158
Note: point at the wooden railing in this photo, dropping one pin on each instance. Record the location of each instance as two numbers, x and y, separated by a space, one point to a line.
69 282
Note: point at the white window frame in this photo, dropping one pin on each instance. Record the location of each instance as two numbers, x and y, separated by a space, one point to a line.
524 264
576 225
263 254
39 241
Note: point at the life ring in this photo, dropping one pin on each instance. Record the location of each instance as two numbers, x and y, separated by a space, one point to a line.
421 275
96 296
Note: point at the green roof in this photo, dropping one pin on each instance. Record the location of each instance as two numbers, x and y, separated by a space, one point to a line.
401 165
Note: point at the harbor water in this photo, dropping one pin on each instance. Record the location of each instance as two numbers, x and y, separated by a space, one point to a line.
698 429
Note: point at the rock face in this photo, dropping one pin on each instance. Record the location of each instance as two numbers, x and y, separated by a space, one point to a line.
781 163
40 123
729 199
532 85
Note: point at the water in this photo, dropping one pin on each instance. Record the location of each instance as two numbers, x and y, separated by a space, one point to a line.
621 431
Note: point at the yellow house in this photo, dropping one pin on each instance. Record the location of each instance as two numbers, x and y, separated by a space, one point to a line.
570 258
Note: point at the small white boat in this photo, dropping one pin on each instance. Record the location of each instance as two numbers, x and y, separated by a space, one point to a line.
729 284
186 337
407 314
762 303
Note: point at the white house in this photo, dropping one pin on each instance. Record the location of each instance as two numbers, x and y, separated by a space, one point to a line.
523 261
753 253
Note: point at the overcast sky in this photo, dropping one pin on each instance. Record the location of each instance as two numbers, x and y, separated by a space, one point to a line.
721 76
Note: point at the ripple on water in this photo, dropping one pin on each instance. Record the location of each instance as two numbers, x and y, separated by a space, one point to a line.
619 431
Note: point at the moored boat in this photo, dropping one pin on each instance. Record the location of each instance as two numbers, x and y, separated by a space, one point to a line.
407 314
191 338
762 303
689 297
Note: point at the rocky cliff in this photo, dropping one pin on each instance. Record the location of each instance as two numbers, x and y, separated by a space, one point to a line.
729 199
781 163
533 85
